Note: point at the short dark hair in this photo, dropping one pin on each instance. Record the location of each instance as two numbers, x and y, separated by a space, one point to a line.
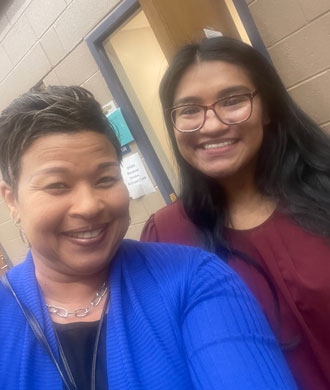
57 109
293 163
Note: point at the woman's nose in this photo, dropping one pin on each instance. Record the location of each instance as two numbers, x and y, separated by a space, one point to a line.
86 203
212 123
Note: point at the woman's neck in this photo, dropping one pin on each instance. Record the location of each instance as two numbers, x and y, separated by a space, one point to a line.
247 206
71 292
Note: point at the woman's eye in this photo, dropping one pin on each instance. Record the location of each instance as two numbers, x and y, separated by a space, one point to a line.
106 181
234 100
190 110
56 186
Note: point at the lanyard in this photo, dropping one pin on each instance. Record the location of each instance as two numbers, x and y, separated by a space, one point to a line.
65 373
96 345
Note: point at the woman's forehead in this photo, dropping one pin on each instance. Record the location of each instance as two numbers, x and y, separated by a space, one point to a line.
74 148
207 75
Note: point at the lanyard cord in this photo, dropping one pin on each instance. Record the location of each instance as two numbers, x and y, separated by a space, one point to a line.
97 340
96 345
38 332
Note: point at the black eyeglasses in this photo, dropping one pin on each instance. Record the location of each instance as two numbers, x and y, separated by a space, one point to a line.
229 110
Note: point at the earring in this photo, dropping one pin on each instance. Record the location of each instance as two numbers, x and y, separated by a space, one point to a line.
22 235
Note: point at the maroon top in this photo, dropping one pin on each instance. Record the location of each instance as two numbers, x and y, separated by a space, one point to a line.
297 262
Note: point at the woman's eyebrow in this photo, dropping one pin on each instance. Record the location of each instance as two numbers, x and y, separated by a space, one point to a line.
222 93
187 100
59 170
52 170
105 165
235 89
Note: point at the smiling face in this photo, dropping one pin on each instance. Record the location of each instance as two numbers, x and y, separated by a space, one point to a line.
71 202
219 150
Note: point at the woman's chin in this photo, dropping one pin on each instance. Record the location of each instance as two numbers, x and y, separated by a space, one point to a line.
218 172
88 266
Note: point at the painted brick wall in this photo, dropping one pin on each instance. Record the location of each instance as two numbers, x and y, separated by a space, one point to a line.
43 40
297 36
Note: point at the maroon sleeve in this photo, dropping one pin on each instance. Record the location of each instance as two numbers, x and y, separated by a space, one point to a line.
149 231
170 225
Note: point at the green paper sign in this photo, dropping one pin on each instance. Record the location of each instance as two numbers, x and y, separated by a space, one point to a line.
123 133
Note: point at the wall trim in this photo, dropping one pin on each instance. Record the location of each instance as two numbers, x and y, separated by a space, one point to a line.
250 27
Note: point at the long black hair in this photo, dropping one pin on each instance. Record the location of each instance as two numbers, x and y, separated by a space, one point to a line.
293 163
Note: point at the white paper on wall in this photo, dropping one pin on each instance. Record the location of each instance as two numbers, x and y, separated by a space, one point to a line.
135 176
211 33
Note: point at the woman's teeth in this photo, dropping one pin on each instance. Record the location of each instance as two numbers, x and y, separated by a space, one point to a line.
90 234
219 144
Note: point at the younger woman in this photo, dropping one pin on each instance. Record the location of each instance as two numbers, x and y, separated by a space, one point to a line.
255 190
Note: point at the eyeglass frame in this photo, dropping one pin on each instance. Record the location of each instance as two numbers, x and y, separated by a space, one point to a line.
250 95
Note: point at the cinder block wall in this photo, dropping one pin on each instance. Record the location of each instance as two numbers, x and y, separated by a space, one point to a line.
44 40
297 36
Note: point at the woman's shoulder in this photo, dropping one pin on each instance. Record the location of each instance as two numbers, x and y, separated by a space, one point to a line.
23 281
174 274
167 253
173 213
172 225
21 278
22 274
165 260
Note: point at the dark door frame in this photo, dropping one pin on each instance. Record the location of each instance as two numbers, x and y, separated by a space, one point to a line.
95 43
250 27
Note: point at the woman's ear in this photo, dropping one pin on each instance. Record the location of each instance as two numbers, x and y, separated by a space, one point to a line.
10 199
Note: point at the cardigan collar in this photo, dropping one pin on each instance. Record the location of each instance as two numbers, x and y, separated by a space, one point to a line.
24 282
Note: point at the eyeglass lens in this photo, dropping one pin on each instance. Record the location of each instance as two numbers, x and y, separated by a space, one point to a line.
230 110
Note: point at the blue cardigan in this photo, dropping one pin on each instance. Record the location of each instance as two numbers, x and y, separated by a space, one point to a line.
179 318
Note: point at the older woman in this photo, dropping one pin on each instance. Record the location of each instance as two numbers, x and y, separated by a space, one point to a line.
255 189
86 310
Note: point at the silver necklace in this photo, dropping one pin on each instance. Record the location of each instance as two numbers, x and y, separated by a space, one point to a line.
80 312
